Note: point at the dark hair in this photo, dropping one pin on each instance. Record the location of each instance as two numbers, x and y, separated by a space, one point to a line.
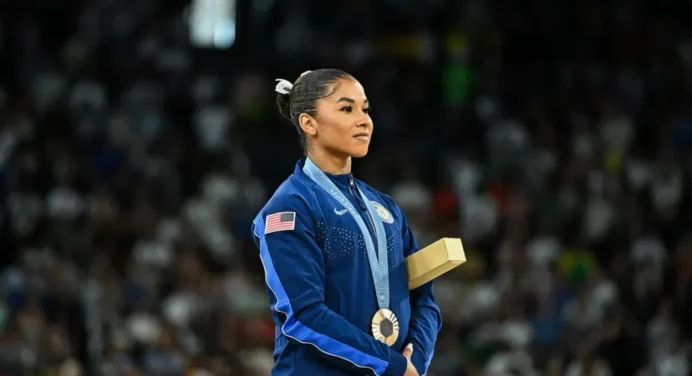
307 90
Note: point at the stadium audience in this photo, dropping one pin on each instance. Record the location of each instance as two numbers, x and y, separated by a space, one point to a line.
553 138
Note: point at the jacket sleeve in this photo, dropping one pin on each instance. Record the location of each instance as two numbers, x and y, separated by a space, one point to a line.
426 319
295 275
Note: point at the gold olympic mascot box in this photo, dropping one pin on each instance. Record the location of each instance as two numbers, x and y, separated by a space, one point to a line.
433 261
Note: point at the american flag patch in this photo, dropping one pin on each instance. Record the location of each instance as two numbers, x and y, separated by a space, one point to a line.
284 221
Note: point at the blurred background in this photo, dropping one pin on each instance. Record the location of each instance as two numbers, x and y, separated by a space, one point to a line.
138 139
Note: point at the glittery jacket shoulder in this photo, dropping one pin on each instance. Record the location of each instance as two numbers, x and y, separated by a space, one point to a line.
320 287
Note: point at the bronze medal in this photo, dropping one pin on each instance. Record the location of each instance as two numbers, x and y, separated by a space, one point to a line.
385 327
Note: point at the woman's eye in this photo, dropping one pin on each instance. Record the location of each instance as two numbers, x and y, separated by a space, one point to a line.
349 109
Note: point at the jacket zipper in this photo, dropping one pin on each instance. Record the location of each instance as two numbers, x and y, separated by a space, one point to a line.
351 186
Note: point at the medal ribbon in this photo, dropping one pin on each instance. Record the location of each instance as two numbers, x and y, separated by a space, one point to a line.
379 265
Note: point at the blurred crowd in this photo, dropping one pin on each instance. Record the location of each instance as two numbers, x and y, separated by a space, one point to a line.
554 138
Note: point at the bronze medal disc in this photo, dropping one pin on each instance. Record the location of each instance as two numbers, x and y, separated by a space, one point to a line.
385 327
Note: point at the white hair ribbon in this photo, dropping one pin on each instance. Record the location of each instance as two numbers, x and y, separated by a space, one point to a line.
283 86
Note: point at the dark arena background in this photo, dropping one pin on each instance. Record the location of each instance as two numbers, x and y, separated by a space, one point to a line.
138 139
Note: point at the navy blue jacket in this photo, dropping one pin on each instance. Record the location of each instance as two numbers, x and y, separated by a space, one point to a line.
320 287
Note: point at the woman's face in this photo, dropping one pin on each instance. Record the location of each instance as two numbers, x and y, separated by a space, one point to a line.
343 125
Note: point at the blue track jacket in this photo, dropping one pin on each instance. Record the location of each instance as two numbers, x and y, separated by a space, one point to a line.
320 288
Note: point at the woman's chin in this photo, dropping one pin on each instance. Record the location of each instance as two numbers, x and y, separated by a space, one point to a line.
359 152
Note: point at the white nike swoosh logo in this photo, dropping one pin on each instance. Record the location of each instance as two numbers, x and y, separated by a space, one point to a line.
340 212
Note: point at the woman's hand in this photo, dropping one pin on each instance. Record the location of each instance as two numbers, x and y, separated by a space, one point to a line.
410 369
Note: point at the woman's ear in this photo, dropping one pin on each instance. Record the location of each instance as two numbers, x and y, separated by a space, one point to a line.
308 124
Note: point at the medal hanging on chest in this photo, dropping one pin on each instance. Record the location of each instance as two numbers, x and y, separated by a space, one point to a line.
384 324
385 327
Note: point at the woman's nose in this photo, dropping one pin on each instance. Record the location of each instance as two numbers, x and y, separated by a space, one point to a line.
364 122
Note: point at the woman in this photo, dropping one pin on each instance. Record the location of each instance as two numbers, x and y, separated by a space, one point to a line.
333 248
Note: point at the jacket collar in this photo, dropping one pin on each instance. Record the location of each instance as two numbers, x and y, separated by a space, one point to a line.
341 180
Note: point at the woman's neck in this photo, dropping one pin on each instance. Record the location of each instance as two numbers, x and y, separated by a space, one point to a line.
329 163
